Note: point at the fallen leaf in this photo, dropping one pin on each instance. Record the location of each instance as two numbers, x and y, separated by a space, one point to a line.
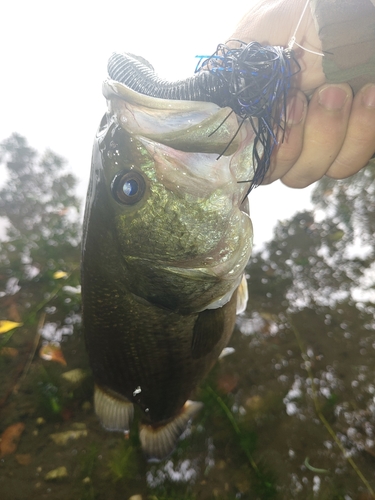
59 274
75 376
56 474
24 459
62 438
11 352
52 352
6 325
10 437
13 313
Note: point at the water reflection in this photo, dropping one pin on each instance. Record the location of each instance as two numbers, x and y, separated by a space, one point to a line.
184 471
298 379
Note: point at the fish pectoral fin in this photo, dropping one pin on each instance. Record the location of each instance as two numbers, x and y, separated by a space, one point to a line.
208 329
159 441
114 411
242 296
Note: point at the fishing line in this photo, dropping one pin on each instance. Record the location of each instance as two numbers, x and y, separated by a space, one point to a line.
293 42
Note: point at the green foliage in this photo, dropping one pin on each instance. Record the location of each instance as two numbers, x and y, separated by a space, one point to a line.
124 462
89 461
49 396
88 466
264 479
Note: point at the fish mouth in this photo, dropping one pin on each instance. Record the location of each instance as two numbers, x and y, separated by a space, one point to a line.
198 137
185 125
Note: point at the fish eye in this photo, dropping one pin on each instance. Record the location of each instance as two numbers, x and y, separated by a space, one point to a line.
129 187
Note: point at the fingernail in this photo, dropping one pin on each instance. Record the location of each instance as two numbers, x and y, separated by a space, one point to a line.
332 98
368 96
295 110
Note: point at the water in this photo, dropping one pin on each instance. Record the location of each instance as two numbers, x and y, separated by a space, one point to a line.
289 414
258 436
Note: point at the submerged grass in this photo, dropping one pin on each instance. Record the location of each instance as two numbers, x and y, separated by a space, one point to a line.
88 466
319 412
124 462
48 394
264 485
89 461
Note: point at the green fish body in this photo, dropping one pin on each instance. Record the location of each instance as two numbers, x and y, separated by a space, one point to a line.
166 240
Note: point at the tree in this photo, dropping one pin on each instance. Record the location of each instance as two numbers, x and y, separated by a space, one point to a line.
324 257
42 211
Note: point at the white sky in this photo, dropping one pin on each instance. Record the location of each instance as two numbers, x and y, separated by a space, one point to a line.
54 56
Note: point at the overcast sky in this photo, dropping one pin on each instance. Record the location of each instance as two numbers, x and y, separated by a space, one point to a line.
54 55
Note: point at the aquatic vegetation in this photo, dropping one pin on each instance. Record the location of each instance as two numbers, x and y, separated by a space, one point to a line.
89 460
124 462
322 417
265 479
88 464
50 399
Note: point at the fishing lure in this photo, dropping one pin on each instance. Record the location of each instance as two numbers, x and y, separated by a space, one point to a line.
253 80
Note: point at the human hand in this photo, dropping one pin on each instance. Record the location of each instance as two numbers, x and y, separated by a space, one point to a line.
273 22
332 134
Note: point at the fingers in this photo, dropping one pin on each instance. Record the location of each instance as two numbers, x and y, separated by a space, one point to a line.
359 143
324 134
334 135
291 141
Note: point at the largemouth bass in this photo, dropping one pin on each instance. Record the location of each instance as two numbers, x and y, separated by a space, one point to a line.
167 236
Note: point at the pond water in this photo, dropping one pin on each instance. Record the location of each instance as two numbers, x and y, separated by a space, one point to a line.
259 435
288 414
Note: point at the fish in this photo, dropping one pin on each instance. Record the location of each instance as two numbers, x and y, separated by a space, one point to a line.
166 238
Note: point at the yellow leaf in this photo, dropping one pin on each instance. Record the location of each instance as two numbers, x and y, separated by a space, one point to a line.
6 326
59 274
